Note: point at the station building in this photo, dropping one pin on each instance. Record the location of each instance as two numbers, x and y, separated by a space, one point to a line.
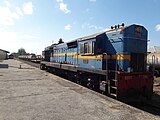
3 54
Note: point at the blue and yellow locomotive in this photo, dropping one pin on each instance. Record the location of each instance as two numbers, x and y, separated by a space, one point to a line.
113 61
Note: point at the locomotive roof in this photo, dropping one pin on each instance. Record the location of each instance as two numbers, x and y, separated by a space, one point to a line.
154 49
99 33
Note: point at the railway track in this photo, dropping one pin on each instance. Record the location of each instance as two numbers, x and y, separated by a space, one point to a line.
157 108
152 107
147 106
34 64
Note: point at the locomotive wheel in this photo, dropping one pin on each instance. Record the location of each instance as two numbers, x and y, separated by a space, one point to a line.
156 73
149 94
42 67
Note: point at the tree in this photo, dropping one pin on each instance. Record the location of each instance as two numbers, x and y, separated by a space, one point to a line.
15 54
21 51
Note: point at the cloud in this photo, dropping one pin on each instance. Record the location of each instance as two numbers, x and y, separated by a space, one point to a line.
12 41
59 0
19 11
7 17
68 27
92 0
28 8
87 10
7 3
7 36
74 22
8 40
157 27
95 27
27 37
106 29
13 36
9 13
63 7
91 26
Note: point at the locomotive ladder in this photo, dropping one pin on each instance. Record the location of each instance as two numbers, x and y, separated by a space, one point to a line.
112 86
112 81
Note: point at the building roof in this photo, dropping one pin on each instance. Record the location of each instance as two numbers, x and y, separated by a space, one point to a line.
154 49
4 51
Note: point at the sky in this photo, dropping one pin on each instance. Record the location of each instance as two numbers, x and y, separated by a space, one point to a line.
36 24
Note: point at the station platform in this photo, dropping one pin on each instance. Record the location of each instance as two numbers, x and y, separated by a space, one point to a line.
28 93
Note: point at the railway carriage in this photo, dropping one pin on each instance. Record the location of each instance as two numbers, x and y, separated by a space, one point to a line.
31 57
113 62
28 57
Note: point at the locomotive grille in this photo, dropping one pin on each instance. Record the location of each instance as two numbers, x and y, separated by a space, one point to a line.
138 62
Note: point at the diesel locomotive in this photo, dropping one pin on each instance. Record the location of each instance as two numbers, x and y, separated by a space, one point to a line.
113 62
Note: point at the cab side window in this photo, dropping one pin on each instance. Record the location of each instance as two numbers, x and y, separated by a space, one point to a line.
82 48
87 48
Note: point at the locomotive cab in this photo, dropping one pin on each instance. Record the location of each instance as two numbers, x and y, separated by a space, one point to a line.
130 73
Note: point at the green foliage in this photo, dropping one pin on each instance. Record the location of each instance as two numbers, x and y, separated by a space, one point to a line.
21 51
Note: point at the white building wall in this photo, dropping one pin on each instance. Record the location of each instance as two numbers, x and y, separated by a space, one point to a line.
2 55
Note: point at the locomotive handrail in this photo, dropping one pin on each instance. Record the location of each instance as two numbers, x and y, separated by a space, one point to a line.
116 71
133 38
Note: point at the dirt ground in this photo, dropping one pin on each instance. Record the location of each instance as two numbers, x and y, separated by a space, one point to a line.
157 85
156 90
28 93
